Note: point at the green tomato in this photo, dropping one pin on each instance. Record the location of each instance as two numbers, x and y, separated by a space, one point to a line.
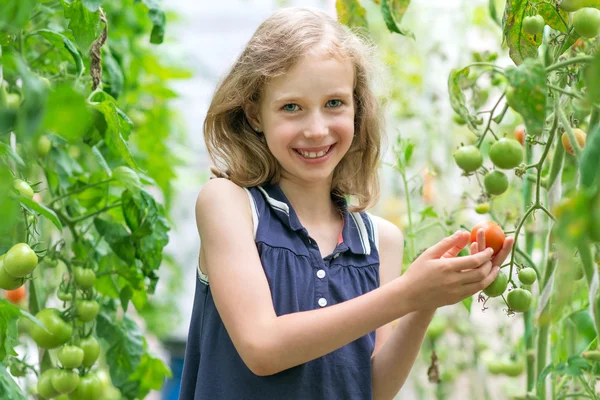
65 296
70 356
512 368
592 355
13 101
43 146
458 119
91 350
59 331
65 381
533 25
20 260
497 287
519 300
586 22
89 388
87 310
495 182
574 5
8 282
468 158
494 367
482 208
23 188
84 277
44 384
506 153
527 276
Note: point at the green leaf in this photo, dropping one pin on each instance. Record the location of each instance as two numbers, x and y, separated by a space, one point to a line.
393 11
84 24
125 346
15 14
150 374
351 13
92 5
158 18
41 209
554 18
590 159
584 324
9 334
6 150
592 79
467 303
527 94
112 75
125 297
63 44
542 376
428 212
521 45
493 11
117 131
9 390
457 97
117 237
408 152
67 113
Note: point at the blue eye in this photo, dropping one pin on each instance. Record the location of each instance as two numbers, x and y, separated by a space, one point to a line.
287 107
337 103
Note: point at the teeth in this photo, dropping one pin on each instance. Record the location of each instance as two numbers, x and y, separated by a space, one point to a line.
312 154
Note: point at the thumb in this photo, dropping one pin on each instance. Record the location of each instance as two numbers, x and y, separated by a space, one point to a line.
441 247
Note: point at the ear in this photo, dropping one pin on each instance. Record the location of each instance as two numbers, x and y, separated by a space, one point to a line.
253 117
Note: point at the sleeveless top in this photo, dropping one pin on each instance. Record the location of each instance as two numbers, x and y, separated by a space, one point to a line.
299 280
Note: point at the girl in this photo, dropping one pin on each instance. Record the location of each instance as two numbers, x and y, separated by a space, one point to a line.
296 289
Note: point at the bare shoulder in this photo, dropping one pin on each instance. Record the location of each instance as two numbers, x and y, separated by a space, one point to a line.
220 195
391 249
390 236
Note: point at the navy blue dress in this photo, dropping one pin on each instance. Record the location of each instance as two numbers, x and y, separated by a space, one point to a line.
300 280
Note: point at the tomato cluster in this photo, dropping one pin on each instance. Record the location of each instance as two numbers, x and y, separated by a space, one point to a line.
15 265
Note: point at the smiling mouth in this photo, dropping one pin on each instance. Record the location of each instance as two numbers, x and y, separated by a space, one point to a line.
315 154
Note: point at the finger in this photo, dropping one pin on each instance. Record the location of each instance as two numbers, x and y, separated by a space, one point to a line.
481 239
469 262
476 274
504 251
461 242
472 288
441 247
474 248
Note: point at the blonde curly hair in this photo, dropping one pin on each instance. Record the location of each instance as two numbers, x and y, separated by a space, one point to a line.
242 155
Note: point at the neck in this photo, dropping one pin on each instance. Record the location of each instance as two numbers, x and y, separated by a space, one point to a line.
313 203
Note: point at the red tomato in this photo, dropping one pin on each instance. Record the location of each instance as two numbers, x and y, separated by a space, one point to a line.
494 235
520 133
15 296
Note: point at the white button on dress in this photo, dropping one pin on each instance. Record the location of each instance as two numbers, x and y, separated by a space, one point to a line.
321 274
322 302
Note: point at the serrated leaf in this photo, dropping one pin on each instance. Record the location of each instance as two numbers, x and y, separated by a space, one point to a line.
84 24
124 346
64 44
589 165
527 94
117 131
158 18
393 11
457 97
117 237
9 334
554 18
41 209
351 13
521 45
92 5
151 374
428 212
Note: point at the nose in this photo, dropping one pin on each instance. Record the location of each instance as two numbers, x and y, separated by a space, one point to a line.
317 126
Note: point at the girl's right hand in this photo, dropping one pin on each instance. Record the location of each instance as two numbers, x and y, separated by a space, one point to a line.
436 280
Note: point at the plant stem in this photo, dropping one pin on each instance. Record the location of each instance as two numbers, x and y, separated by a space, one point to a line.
544 329
408 209
568 93
575 60
108 207
78 190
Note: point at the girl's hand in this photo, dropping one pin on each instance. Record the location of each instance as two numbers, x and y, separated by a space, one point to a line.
438 278
502 254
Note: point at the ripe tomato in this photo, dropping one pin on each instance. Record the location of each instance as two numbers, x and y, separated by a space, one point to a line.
527 276
23 188
59 331
497 287
533 24
89 388
494 235
16 296
519 300
586 22
65 381
579 44
8 282
495 182
70 356
20 260
87 310
44 384
520 134
84 277
579 135
91 350
468 158
506 153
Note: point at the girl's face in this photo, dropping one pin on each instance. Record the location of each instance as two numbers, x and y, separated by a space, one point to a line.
307 116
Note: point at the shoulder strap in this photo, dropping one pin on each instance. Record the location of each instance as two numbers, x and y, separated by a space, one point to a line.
374 229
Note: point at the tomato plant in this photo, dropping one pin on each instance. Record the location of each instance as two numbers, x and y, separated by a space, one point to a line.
495 182
586 22
468 158
85 110
506 153
533 25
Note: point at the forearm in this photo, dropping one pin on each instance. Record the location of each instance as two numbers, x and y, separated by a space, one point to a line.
392 364
297 338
